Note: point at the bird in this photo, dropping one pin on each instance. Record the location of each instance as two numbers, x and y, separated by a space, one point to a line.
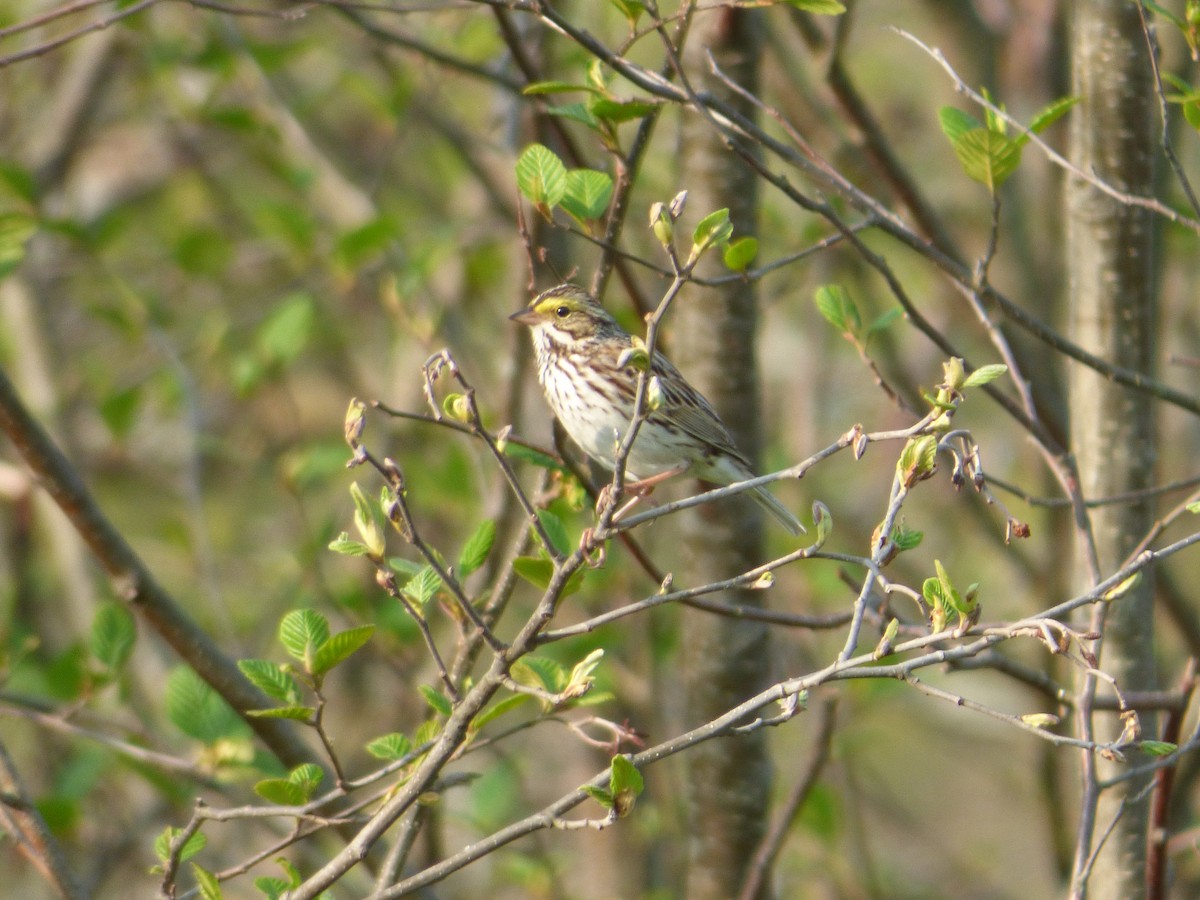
586 370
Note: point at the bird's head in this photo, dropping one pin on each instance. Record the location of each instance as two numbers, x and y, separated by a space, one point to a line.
567 311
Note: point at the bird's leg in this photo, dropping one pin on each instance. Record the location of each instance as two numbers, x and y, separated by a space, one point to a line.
636 490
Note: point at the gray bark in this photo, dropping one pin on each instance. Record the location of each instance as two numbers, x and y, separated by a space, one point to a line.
1110 254
726 660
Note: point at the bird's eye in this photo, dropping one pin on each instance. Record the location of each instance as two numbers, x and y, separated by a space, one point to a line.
562 312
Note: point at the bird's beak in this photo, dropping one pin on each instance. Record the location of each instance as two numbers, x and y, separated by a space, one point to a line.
525 317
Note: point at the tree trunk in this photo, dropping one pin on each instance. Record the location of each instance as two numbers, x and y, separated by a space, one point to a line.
1110 256
726 660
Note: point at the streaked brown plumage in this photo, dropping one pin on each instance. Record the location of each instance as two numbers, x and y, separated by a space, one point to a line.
578 345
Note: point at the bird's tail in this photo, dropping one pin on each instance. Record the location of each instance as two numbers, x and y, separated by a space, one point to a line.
767 501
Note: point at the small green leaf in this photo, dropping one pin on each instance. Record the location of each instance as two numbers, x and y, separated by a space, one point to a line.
820 7
955 123
884 320
436 700
197 710
587 195
907 538
715 228
540 672
536 570
1040 720
339 647
344 545
836 307
307 776
985 374
15 231
475 551
1158 748
286 331
271 679
1120 590
390 747
556 531
987 157
206 881
618 111
538 88
194 844
368 520
631 9
577 112
423 586
281 792
625 784
114 633
499 708
601 796
297 713
302 632
1051 114
740 253
541 177
514 450
1193 508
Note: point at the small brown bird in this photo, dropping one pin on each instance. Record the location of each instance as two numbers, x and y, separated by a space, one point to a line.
578 347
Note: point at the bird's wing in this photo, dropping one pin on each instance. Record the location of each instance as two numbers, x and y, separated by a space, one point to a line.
687 408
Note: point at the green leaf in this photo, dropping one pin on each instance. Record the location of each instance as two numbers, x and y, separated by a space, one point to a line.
390 747
1051 114
270 678
601 796
344 545
520 451
114 633
740 253
119 409
540 672
297 713
302 632
907 538
206 881
618 111
287 329
499 708
272 888
281 792
987 157
587 194
197 710
368 521
475 551
307 776
340 646
955 123
631 9
1193 508
556 531
715 228
1158 748
554 87
194 844
538 571
820 7
985 374
625 783
436 700
578 112
423 586
541 177
836 307
15 231
884 320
